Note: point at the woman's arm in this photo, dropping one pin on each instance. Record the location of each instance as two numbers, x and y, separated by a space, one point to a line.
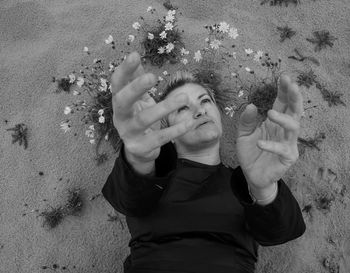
275 223
132 193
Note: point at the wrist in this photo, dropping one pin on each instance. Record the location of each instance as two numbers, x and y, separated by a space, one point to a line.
263 196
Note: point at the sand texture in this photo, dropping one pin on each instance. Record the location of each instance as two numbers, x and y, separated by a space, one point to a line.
44 39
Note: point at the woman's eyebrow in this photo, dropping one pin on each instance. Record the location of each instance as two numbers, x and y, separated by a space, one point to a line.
202 95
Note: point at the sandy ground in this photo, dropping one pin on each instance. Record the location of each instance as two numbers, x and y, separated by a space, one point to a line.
42 39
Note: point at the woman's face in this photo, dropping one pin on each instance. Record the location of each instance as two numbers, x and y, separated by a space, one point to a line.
200 106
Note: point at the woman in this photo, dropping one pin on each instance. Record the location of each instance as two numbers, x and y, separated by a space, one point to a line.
185 210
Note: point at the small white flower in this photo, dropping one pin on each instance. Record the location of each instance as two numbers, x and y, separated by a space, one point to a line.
106 136
223 27
160 78
248 69
234 55
131 38
161 50
169 26
215 44
80 81
233 33
230 110
153 90
149 9
71 78
233 74
241 93
65 126
92 141
184 51
86 49
100 112
165 73
258 55
169 47
197 56
169 18
150 36
248 51
109 39
101 119
163 35
171 12
103 86
184 61
75 93
91 127
89 133
136 25
67 110
111 67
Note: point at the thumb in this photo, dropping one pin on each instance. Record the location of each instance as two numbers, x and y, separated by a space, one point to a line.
247 121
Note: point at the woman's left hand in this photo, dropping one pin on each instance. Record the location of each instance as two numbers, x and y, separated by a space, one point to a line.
266 162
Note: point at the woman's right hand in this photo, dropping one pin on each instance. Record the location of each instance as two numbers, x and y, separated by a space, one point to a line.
137 117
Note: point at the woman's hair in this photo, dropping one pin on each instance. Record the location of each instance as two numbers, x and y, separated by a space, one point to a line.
179 79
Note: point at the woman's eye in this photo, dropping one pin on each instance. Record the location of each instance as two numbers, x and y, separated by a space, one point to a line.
208 100
181 109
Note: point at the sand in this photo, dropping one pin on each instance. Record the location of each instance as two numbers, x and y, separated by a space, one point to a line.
42 39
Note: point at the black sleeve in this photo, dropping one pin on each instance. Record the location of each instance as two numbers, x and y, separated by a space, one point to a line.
133 194
273 224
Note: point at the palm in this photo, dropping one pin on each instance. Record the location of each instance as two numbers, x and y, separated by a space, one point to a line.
257 160
261 165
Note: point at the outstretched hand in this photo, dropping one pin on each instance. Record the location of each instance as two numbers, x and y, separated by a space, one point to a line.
266 152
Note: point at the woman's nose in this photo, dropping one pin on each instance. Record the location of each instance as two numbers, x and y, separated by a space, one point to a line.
200 111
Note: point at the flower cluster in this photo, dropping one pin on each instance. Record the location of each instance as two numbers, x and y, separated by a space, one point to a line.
160 43
218 63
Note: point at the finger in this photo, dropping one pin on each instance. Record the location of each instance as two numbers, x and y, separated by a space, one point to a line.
160 137
295 102
132 92
152 114
130 69
290 125
281 102
281 149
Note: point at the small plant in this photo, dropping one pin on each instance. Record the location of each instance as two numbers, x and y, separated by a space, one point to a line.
301 57
169 6
20 134
324 202
333 98
280 2
63 84
286 32
306 78
310 143
322 39
54 216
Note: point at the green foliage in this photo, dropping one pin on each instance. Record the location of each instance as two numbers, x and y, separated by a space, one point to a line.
20 134
322 39
306 78
286 32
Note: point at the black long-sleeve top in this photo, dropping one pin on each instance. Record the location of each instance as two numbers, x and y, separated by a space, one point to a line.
194 217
